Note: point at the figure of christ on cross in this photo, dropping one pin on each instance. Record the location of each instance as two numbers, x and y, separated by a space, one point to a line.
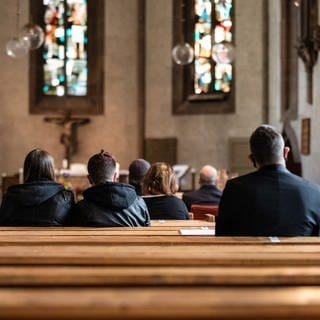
68 136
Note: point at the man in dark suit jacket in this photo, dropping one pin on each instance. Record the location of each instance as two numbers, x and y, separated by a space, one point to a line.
271 201
208 193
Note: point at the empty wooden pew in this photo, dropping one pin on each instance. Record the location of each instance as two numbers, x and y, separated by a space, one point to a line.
155 273
163 254
90 275
144 303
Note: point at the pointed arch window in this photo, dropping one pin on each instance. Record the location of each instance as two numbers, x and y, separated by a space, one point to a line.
204 86
66 73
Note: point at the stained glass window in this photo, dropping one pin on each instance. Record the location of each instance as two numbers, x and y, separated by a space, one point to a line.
67 73
213 25
65 68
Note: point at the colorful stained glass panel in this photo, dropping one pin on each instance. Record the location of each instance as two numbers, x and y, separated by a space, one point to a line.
213 24
65 48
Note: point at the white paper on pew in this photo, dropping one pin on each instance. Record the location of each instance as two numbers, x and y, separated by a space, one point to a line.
198 232
274 239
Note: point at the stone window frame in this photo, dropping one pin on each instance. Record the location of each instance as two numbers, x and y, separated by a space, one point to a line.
93 102
183 99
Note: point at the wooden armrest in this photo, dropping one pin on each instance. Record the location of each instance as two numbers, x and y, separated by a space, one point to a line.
190 214
209 217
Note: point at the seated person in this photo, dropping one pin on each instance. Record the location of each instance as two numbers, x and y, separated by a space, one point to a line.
108 203
39 201
271 201
158 187
137 169
208 193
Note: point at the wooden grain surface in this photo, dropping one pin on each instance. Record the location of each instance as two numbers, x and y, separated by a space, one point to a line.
161 303
150 237
79 276
155 273
164 254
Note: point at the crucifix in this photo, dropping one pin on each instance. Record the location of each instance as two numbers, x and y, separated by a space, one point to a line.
68 136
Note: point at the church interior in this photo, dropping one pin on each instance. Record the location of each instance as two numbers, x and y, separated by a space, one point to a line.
123 87
140 112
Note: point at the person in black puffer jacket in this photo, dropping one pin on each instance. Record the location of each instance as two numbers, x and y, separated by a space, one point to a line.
108 203
39 201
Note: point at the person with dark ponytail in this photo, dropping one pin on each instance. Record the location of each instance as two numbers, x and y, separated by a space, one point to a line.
39 200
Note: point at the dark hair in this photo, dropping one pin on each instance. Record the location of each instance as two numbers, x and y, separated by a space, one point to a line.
266 145
38 164
160 179
137 169
101 167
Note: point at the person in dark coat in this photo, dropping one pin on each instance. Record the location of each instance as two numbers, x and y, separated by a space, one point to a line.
159 187
108 203
39 201
270 201
137 170
208 193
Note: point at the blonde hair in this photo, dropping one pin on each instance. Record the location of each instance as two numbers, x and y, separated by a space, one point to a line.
159 179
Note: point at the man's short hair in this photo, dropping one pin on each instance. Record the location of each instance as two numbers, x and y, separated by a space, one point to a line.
207 175
266 145
102 167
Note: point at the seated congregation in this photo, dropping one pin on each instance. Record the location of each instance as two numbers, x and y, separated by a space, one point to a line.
152 271
270 201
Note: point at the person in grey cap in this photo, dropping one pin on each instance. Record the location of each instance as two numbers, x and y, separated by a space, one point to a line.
137 169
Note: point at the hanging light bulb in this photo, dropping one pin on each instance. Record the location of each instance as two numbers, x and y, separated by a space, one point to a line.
296 3
182 54
223 52
16 48
32 35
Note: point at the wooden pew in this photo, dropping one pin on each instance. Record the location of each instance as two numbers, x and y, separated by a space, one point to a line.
159 238
160 244
159 255
161 303
101 276
155 273
104 256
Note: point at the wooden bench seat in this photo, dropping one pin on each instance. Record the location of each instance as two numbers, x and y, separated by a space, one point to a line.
156 273
161 303
81 276
164 254
148 240
162 224
146 237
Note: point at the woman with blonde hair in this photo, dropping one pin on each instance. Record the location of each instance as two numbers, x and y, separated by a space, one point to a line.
159 186
39 200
